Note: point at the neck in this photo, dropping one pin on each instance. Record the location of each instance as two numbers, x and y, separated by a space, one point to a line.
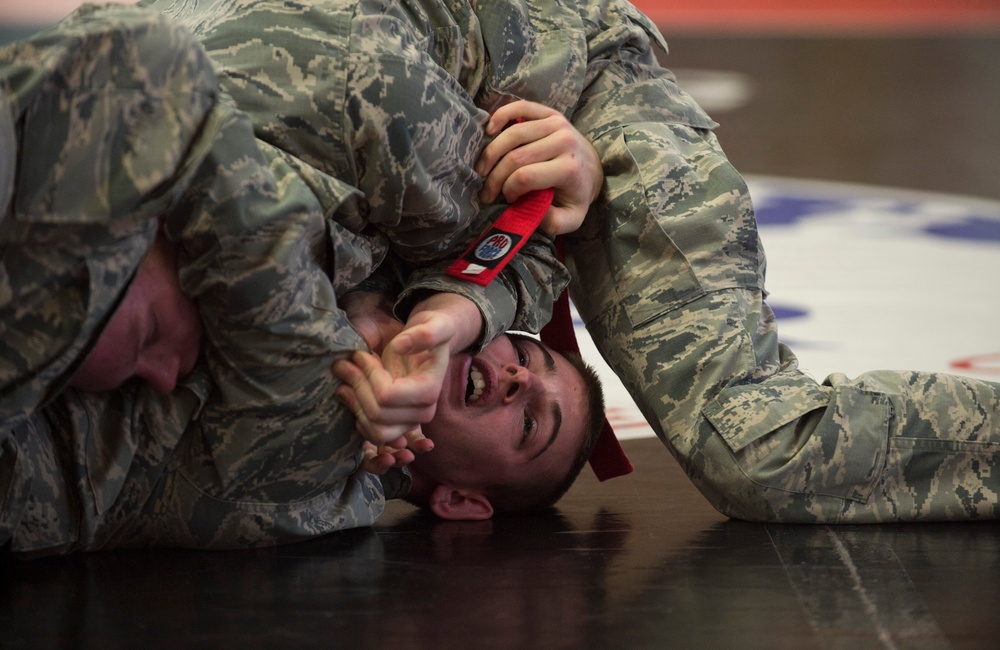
421 488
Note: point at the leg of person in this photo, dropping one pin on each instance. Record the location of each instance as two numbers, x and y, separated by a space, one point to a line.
668 276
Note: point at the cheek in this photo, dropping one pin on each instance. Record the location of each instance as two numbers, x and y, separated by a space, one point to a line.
182 323
483 445
105 367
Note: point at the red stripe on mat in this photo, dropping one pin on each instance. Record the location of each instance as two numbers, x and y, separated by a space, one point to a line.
824 15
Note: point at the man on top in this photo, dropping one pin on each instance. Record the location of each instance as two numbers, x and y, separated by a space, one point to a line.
139 201
667 268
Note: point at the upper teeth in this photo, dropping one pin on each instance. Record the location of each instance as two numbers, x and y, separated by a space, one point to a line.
477 383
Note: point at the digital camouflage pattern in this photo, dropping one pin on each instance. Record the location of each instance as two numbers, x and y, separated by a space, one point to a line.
387 97
252 448
76 224
79 220
668 269
668 274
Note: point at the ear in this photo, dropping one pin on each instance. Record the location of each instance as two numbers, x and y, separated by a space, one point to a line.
457 504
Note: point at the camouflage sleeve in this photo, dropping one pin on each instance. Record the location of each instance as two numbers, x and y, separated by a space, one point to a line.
382 97
272 445
105 105
251 449
264 453
368 93
519 298
414 162
668 274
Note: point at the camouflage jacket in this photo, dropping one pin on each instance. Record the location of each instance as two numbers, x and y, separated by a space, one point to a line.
118 125
388 98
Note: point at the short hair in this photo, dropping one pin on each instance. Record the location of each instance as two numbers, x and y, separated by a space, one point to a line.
544 493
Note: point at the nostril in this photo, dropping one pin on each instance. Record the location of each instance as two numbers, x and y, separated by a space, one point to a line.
512 390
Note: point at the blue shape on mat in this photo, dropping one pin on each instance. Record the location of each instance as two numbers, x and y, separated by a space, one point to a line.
975 228
786 210
783 312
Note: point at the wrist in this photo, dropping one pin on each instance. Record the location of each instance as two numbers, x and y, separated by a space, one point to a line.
462 311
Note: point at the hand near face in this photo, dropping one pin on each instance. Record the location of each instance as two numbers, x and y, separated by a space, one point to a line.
379 459
371 315
544 150
392 395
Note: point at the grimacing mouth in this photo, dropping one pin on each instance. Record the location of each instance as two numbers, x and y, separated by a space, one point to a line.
475 384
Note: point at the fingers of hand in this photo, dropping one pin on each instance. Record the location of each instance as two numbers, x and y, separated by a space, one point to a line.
375 462
380 459
514 139
558 221
553 161
416 441
521 109
386 412
428 335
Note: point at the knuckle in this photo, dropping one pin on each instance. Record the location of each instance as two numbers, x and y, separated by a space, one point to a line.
566 139
522 176
517 158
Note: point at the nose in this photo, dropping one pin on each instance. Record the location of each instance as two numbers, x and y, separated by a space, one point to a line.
517 381
160 372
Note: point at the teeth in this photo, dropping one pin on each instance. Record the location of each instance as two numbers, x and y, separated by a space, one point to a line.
476 385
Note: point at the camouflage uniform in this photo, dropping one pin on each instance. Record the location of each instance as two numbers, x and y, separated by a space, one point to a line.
692 340
116 120
251 449
668 270
387 97
668 274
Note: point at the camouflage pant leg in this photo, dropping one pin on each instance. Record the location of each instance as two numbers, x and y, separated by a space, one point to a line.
761 439
887 446
943 458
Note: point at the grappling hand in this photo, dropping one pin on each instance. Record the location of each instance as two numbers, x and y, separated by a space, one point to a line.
371 315
542 151
379 459
392 395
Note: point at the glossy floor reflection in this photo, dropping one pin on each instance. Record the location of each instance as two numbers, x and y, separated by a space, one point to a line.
640 562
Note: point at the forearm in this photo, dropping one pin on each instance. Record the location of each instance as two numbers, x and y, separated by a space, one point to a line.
463 312
520 297
252 239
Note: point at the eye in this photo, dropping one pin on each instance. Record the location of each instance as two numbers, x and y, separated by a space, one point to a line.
522 356
530 425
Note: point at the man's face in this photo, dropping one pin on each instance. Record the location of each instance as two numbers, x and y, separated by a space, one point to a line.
515 411
154 334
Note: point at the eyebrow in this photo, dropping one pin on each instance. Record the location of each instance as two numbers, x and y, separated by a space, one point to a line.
550 366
